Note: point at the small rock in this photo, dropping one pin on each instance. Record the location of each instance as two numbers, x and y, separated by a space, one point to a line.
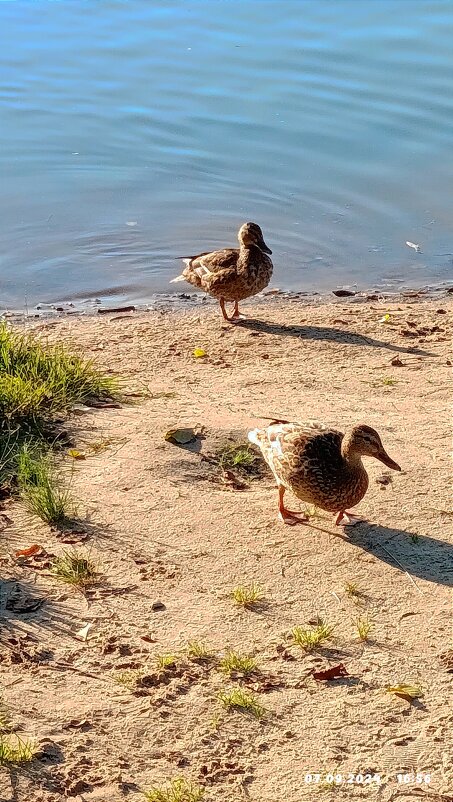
441 311
158 605
343 293
396 361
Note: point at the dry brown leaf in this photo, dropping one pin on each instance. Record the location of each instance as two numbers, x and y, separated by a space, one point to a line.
35 549
331 673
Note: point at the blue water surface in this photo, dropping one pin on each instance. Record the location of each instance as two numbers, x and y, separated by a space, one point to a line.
135 132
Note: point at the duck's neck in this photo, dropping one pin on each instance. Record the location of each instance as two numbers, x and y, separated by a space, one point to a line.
350 455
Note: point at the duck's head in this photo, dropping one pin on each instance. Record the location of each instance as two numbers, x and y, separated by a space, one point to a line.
251 234
365 441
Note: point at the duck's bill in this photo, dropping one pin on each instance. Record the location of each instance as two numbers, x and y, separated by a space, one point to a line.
263 247
384 457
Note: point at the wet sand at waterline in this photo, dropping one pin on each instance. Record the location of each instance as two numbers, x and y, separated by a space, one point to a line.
173 534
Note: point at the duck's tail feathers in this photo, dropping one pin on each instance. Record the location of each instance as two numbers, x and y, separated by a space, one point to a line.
255 436
178 278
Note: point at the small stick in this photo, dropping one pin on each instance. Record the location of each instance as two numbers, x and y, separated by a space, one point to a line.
401 566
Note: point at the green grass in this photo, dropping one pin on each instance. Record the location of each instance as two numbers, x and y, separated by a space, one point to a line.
42 487
196 650
75 568
242 701
234 663
353 589
239 455
38 382
310 638
129 678
247 595
166 660
363 626
177 790
15 750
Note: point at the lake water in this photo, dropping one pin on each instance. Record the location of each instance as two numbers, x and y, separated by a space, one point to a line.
134 132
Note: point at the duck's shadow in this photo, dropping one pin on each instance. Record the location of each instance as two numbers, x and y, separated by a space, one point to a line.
326 333
419 555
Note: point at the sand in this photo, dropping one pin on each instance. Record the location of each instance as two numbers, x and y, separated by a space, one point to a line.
164 527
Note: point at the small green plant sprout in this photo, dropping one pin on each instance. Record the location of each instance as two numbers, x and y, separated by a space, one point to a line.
75 568
177 790
352 589
239 456
196 650
165 661
363 627
310 638
234 663
247 595
15 750
128 678
385 381
242 701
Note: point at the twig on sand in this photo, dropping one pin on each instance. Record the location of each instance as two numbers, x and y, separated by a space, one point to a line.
400 565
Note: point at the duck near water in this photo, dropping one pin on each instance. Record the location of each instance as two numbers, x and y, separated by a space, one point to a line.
233 273
320 465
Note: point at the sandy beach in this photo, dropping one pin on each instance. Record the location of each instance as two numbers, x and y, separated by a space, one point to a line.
173 534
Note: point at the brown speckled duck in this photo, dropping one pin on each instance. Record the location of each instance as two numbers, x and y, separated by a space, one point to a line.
320 465
233 273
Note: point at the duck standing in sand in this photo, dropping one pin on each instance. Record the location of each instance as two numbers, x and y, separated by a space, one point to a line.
320 465
233 273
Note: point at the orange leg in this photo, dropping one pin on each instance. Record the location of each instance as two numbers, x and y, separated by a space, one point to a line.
224 312
347 519
287 516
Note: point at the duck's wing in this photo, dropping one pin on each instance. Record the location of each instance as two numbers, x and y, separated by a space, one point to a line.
290 447
213 261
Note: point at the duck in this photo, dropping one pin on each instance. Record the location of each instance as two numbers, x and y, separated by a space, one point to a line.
320 465
232 274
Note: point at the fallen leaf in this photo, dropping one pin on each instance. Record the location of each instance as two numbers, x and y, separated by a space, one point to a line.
331 673
148 639
407 692
29 552
199 353
385 319
180 436
76 454
343 322
396 361
82 634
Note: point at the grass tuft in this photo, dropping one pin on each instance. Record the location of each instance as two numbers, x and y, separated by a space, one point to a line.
364 627
36 383
129 678
177 790
247 595
196 650
353 589
38 380
41 486
310 638
243 701
234 663
75 568
15 750
239 456
166 661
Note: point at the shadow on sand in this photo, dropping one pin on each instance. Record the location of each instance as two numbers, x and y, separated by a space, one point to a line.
327 333
419 555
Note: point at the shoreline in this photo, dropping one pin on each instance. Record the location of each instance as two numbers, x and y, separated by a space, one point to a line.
198 300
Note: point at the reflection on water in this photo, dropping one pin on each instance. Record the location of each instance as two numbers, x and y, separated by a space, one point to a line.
132 133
